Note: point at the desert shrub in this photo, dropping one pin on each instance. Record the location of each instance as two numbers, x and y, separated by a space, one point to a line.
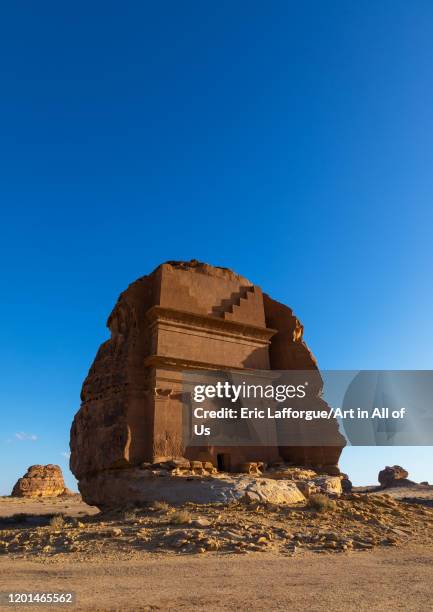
180 517
57 522
160 506
321 503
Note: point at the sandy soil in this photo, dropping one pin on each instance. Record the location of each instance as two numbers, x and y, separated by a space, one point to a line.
131 562
407 493
393 579
71 506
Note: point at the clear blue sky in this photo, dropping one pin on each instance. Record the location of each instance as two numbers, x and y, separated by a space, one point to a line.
289 141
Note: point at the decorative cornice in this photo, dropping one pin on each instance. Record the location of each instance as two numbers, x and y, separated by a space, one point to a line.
180 364
194 321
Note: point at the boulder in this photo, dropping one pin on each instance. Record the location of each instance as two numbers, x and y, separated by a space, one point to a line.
328 485
307 487
282 492
41 481
393 476
290 473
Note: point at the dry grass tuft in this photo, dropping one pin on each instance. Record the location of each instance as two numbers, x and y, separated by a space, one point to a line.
57 522
130 514
321 503
160 506
180 517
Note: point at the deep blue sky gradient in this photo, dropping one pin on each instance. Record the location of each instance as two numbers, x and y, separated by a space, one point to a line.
289 141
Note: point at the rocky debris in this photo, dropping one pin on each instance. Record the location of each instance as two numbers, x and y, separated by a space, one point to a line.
357 523
170 463
328 485
252 467
179 466
308 481
282 471
304 478
394 476
41 481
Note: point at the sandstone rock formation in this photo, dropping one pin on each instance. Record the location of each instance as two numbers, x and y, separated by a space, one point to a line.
394 476
41 481
137 487
184 316
179 481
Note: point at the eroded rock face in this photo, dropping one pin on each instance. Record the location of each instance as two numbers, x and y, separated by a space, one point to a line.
179 480
142 486
183 316
41 481
393 476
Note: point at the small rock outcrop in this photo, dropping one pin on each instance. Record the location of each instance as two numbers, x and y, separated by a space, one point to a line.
394 476
41 481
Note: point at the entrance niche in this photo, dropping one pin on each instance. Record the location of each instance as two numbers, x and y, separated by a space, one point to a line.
223 461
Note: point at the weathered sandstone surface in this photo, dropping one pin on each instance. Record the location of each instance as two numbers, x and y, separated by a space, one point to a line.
41 481
137 487
184 316
179 481
394 476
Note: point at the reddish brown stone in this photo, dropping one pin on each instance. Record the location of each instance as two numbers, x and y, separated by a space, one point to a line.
41 481
393 476
184 315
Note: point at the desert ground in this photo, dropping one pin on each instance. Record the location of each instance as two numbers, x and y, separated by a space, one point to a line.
368 551
384 580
